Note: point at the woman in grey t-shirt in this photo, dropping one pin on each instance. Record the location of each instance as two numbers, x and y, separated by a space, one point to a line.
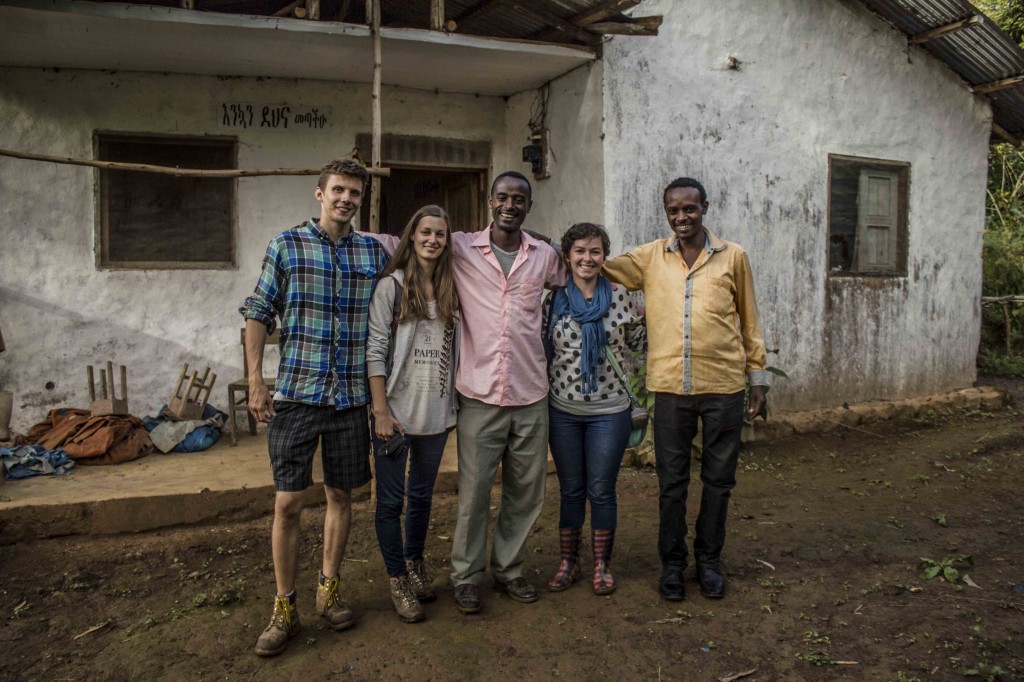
411 356
588 405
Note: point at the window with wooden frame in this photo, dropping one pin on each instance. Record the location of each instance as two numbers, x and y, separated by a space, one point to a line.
867 216
151 220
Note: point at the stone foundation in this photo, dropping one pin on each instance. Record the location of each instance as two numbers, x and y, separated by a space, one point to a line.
788 423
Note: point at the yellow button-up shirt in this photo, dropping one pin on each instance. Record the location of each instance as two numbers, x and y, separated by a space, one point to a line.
703 331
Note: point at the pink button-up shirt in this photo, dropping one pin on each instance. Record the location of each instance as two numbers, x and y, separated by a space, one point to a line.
501 359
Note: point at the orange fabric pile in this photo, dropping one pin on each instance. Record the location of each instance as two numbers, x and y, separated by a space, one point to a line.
110 439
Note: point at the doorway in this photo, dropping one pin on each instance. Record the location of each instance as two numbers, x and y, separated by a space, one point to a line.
430 170
459 192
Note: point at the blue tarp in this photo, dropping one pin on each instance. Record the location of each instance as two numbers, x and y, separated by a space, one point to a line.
24 461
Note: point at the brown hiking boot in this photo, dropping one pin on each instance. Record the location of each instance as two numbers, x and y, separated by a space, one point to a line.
406 604
328 606
419 581
284 625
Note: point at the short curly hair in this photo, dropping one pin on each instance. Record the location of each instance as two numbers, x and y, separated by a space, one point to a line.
585 231
687 182
349 167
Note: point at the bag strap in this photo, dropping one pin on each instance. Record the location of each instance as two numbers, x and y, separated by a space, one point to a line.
614 362
396 309
545 338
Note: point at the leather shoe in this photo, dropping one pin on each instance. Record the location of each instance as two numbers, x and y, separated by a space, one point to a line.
467 598
712 584
517 589
670 586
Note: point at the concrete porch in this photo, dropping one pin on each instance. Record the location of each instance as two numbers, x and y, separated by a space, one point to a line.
224 482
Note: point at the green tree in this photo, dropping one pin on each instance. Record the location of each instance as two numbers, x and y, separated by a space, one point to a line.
1003 254
1009 14
1003 262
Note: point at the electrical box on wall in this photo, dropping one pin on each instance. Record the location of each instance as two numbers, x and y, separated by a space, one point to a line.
536 154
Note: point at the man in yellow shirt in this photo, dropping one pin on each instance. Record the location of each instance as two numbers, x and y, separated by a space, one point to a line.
704 347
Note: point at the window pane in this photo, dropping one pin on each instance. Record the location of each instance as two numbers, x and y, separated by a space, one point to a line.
155 218
867 216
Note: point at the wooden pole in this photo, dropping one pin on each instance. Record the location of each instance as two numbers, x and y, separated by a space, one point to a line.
998 85
373 14
436 15
287 10
92 382
173 170
941 31
1006 322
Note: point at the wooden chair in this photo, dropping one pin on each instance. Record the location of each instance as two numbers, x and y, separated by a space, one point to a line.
238 391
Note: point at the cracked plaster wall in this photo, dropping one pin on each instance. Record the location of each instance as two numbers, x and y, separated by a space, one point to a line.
575 191
815 77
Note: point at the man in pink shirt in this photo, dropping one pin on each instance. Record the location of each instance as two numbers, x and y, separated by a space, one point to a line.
500 274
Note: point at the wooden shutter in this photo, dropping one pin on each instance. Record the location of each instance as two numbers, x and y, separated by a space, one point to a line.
877 222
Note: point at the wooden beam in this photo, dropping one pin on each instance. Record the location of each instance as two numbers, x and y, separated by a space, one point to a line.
603 11
998 85
287 10
941 31
174 170
481 10
1006 135
530 8
619 24
612 28
436 15
373 15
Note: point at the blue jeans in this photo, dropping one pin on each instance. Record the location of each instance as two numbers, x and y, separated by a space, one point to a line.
424 461
588 453
675 426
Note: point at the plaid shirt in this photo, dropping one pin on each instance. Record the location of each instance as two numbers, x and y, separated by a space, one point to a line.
321 291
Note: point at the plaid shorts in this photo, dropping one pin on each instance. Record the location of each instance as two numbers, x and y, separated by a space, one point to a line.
344 437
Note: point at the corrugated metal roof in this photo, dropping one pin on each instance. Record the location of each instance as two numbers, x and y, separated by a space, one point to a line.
495 19
979 54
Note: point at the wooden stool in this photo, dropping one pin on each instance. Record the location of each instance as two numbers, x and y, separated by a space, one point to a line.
191 403
107 403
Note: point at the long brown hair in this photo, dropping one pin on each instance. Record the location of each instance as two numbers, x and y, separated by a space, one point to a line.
414 302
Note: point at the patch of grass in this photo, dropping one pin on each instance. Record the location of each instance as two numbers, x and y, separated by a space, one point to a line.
818 658
233 594
1000 364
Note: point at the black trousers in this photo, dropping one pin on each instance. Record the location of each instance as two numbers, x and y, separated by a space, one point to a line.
675 426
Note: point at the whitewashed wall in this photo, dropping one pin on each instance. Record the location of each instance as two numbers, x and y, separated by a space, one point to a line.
815 77
59 312
575 190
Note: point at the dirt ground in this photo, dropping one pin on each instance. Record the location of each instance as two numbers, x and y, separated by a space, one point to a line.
823 557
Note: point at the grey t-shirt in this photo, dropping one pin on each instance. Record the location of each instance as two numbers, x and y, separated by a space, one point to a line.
505 258
426 381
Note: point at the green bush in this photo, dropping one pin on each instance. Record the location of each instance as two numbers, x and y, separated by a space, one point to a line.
1000 364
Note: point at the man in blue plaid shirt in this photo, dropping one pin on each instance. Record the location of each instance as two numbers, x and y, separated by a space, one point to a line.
317 279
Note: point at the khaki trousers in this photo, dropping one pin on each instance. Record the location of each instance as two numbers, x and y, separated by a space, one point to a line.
517 438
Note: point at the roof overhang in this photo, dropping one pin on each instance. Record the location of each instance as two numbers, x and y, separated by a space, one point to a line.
123 37
973 46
